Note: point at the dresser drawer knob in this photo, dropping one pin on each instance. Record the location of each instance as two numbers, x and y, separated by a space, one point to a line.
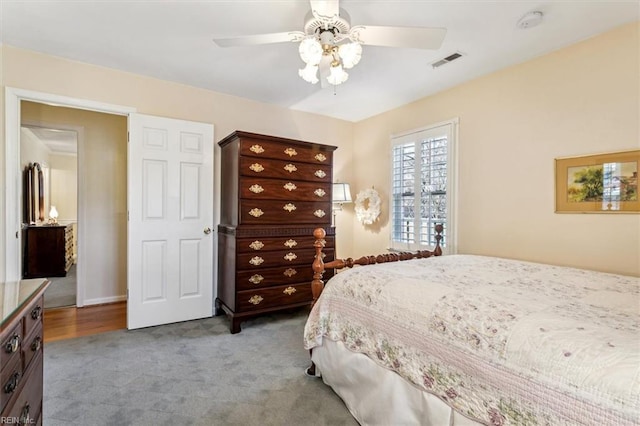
289 207
290 152
12 384
320 173
256 299
290 243
319 213
256 245
257 260
320 192
289 290
290 168
256 189
256 279
36 344
320 157
257 149
256 167
290 256
36 312
13 344
290 186
256 212
289 272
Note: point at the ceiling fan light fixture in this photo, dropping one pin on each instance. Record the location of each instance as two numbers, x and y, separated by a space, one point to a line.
337 75
350 54
310 51
309 73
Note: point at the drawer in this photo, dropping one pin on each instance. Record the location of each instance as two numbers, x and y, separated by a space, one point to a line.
283 151
33 316
271 259
266 168
32 345
10 379
11 344
269 277
280 297
280 189
28 402
252 245
260 212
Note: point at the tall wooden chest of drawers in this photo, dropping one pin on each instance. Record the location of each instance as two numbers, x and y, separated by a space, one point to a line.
275 192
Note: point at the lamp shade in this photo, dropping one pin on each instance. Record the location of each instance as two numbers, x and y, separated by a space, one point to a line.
53 213
341 193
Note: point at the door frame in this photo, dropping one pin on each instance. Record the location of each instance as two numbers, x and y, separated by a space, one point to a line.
13 187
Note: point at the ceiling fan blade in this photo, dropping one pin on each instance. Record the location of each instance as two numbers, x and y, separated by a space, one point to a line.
252 40
325 8
415 37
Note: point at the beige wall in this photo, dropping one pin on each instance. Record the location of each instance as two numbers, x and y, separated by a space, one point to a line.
42 73
64 186
578 100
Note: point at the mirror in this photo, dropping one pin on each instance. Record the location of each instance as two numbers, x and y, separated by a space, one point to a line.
34 194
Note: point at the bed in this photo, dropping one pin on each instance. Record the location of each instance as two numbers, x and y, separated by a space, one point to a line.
468 340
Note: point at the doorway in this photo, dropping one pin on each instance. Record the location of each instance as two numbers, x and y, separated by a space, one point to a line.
56 151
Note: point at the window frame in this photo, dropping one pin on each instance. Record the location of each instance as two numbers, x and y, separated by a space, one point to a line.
450 128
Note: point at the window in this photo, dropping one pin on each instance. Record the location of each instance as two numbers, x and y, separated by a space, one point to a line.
422 186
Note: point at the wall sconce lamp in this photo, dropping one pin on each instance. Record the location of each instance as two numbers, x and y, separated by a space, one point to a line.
341 195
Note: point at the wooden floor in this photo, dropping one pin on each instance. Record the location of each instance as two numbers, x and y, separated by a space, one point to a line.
66 323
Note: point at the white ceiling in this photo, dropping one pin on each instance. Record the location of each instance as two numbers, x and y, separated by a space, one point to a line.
172 40
56 141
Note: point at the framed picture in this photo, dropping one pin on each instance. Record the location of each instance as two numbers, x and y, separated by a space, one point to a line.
602 183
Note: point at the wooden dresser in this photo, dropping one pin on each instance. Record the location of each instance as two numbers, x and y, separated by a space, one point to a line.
275 192
48 251
21 353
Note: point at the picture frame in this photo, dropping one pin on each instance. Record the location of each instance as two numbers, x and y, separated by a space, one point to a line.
599 183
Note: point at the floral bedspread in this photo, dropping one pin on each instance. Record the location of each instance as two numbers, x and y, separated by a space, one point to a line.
503 342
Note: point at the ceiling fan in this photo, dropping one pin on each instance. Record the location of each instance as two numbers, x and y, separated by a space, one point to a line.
329 44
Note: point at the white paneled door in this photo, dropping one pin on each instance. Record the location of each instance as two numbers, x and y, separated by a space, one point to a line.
170 200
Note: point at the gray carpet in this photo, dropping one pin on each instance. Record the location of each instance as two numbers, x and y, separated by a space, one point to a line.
192 373
62 291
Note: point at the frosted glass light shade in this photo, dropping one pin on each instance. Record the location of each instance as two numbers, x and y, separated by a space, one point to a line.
350 54
309 73
53 213
337 76
310 51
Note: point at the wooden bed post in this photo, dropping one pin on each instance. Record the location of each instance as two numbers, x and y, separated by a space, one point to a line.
317 285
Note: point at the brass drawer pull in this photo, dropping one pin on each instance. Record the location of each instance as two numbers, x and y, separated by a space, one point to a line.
257 149
320 173
290 256
36 344
256 245
290 152
290 186
36 313
290 243
320 157
256 279
290 272
289 207
12 384
320 192
256 167
256 212
257 260
290 168
289 290
256 299
256 189
319 213
13 344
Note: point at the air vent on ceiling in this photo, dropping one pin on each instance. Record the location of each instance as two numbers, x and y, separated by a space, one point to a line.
446 60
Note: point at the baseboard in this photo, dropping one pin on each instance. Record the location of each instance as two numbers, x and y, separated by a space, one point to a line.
103 300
